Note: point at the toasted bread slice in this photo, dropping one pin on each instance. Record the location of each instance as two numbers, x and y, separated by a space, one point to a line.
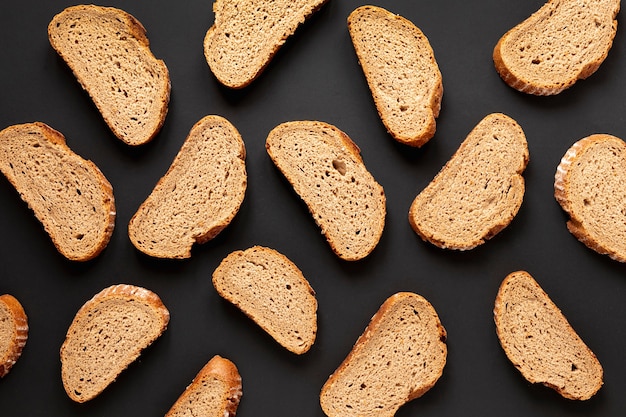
540 342
561 43
246 34
479 190
13 332
68 194
399 357
198 196
109 53
325 169
590 185
271 290
108 333
401 71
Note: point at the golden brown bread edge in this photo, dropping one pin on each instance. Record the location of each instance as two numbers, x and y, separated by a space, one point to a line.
19 333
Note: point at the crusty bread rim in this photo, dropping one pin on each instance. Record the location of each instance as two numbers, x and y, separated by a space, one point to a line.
20 336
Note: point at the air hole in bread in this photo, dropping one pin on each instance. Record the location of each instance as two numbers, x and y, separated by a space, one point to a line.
340 166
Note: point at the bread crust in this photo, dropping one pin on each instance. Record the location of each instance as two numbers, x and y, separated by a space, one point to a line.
19 333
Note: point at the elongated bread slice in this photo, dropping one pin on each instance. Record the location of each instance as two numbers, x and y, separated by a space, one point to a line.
246 34
271 290
479 190
109 53
214 392
198 196
13 332
561 43
590 185
399 357
540 342
325 169
108 333
401 71
68 194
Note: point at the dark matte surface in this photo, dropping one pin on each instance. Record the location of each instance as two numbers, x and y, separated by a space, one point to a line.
314 76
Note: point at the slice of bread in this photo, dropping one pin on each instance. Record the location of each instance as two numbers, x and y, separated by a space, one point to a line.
561 43
271 290
325 169
246 34
214 392
68 194
13 332
108 333
198 196
109 53
401 71
590 185
479 190
399 357
540 342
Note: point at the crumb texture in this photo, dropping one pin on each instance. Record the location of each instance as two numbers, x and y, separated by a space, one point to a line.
198 196
108 52
540 342
401 71
399 357
479 190
68 194
326 170
108 333
271 290
564 41
13 332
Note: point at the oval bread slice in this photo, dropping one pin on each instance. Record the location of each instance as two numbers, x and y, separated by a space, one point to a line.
401 71
590 186
109 54
540 342
68 194
108 333
561 43
479 190
13 332
399 357
246 34
325 168
198 196
271 290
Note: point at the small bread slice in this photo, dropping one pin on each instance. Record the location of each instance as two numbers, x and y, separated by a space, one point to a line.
198 196
479 190
561 43
399 357
13 332
540 342
325 168
68 194
590 185
108 333
214 392
246 34
401 71
109 54
271 290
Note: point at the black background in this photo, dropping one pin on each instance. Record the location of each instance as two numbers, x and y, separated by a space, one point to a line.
315 76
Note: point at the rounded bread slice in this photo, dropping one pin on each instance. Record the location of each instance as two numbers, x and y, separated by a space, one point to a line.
401 71
68 194
561 43
13 332
214 392
479 190
540 342
198 196
325 169
399 357
108 333
590 186
271 290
